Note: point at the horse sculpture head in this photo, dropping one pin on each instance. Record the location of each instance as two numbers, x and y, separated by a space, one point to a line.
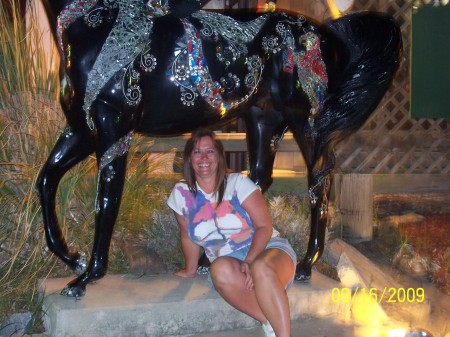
165 68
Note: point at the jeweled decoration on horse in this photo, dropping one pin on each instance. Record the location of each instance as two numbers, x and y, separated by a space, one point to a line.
68 15
128 38
312 73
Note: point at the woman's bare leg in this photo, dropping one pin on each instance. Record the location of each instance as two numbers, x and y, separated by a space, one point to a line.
271 272
229 281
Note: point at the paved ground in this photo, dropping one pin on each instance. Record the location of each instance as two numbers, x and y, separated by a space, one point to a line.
308 327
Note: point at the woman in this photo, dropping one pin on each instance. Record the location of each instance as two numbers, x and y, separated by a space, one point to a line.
226 214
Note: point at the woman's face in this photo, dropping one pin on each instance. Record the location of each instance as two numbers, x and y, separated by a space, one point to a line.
204 158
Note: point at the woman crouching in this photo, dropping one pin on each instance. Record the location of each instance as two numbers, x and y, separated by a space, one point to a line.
226 214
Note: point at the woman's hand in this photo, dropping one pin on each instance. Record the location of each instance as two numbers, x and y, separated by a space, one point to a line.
245 268
191 251
184 273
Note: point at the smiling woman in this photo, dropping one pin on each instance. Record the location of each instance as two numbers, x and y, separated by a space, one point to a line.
205 154
204 161
226 214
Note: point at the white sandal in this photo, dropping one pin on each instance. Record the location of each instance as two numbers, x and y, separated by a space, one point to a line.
268 330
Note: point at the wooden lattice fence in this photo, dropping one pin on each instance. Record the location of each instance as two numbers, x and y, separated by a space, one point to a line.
390 141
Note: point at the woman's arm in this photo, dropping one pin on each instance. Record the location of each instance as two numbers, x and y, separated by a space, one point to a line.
191 251
256 207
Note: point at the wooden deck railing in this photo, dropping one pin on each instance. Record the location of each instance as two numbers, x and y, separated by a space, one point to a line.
233 142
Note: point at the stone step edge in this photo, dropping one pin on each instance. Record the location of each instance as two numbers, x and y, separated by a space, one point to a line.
184 313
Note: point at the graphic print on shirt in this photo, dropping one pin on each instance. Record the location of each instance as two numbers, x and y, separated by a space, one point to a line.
219 230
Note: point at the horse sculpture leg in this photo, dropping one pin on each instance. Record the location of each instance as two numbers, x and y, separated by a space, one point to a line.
320 164
71 148
319 194
368 49
112 148
264 130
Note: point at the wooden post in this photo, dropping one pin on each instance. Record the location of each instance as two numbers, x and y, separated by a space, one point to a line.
354 201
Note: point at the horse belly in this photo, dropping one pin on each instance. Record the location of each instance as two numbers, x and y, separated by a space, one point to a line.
164 112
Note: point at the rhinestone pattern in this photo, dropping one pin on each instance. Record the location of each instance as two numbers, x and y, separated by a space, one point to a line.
130 40
190 72
129 36
68 15
118 149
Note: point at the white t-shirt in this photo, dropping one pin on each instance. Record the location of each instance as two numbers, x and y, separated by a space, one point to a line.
219 230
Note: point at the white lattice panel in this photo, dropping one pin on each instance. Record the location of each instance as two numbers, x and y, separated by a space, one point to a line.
390 141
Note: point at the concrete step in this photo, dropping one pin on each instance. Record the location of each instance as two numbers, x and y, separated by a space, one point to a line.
165 305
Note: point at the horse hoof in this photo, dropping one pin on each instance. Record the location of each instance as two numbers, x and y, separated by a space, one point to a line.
303 273
77 287
302 278
74 291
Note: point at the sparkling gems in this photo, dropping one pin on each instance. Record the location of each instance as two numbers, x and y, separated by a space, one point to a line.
190 71
129 37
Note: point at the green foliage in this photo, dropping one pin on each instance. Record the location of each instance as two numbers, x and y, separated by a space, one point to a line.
163 236
291 217
144 216
30 122
25 89
24 66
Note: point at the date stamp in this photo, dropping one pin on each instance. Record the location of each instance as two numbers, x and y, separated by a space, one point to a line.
388 294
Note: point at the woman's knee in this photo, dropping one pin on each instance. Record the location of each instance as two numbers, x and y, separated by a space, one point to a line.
273 264
222 271
262 267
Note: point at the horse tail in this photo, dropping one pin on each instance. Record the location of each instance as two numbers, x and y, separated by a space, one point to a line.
367 51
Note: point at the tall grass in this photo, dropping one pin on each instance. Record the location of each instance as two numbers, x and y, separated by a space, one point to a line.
30 122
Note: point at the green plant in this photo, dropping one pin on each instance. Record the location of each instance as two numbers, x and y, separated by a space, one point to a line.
164 237
25 87
291 215
30 122
144 216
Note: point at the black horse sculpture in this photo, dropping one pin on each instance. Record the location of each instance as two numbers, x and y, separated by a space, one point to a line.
129 66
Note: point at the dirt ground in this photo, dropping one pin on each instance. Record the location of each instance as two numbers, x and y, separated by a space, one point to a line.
412 243
420 223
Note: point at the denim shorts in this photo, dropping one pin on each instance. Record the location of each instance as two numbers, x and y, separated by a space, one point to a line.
275 242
